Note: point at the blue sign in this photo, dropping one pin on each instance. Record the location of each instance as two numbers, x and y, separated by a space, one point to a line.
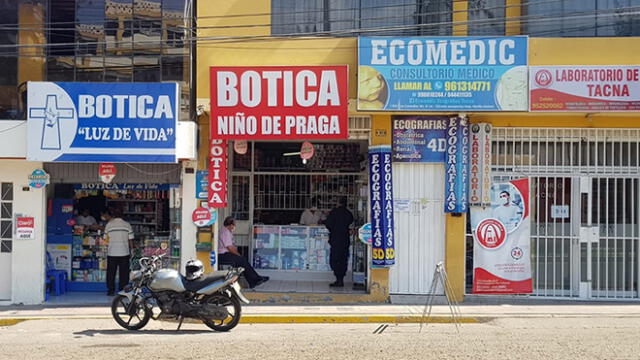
38 179
202 184
443 73
212 258
364 233
381 187
457 166
419 138
119 186
214 216
102 122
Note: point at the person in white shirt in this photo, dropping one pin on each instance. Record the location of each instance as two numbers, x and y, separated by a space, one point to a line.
85 219
507 212
120 235
311 216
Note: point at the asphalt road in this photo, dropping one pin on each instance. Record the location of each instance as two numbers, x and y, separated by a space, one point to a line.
506 338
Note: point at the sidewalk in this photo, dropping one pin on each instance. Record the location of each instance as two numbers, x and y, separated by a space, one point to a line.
357 313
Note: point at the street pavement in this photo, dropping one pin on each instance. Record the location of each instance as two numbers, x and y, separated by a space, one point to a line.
595 336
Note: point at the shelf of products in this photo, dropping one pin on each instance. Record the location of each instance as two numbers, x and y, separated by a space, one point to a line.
142 215
89 254
301 248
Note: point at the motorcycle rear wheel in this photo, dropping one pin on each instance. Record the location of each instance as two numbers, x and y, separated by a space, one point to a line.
234 315
123 314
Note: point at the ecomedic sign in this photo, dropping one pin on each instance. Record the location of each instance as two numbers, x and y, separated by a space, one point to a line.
279 102
102 122
442 73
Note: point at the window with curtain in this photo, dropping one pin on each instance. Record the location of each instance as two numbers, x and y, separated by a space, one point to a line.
585 18
486 17
355 17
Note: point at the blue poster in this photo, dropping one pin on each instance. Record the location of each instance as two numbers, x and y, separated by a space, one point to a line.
419 138
443 73
102 122
457 166
381 187
202 184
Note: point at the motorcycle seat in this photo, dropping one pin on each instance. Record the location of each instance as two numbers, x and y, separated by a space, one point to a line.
195 285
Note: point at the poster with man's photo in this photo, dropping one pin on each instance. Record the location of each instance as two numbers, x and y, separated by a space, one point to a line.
502 235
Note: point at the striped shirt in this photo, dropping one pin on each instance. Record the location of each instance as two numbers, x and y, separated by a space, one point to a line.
119 233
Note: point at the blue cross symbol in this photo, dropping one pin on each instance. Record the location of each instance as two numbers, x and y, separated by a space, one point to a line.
51 127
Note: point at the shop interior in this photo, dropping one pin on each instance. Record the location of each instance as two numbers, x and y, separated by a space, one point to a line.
146 196
271 186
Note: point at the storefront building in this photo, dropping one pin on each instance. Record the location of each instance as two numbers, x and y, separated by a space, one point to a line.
102 124
580 159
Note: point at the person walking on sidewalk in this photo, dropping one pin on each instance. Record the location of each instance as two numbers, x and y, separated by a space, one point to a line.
120 235
228 253
338 222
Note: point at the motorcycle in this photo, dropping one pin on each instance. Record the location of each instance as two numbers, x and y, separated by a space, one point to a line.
214 299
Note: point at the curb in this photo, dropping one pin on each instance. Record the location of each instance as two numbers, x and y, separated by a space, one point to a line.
295 319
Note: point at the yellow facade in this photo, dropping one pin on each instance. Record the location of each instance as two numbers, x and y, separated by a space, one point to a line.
227 43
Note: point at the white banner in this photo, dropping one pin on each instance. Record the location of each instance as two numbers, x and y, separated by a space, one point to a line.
502 236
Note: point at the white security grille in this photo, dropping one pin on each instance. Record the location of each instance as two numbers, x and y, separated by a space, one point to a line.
585 191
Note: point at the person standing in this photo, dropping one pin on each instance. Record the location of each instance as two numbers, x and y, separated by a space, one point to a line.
338 222
311 216
228 253
120 235
85 219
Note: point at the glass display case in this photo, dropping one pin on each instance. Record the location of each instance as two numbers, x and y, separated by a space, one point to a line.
299 248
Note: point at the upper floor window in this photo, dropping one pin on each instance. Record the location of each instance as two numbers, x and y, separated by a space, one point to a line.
486 17
582 18
356 17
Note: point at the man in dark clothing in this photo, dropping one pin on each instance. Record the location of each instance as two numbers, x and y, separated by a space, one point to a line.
338 222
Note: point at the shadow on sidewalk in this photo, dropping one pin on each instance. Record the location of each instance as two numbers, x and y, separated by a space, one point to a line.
91 333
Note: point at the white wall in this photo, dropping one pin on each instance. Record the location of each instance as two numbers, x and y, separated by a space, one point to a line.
13 139
420 230
28 255
189 203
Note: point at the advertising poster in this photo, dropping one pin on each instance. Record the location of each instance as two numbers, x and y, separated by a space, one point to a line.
279 102
60 257
502 236
443 73
585 88
102 122
25 228
419 138
457 166
381 187
202 184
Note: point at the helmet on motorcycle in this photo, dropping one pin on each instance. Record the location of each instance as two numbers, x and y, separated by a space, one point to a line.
195 269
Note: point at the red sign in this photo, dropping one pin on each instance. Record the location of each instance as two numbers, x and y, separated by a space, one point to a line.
307 150
279 102
491 233
201 216
25 228
241 146
585 88
107 171
218 174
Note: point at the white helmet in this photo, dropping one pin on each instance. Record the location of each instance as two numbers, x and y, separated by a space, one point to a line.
194 269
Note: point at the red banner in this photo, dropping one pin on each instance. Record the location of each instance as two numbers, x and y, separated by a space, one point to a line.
279 102
585 88
218 174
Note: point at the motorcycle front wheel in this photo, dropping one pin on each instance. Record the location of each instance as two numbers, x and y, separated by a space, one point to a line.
131 316
232 304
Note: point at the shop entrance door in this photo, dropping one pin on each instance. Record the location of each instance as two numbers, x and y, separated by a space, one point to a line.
418 195
609 239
